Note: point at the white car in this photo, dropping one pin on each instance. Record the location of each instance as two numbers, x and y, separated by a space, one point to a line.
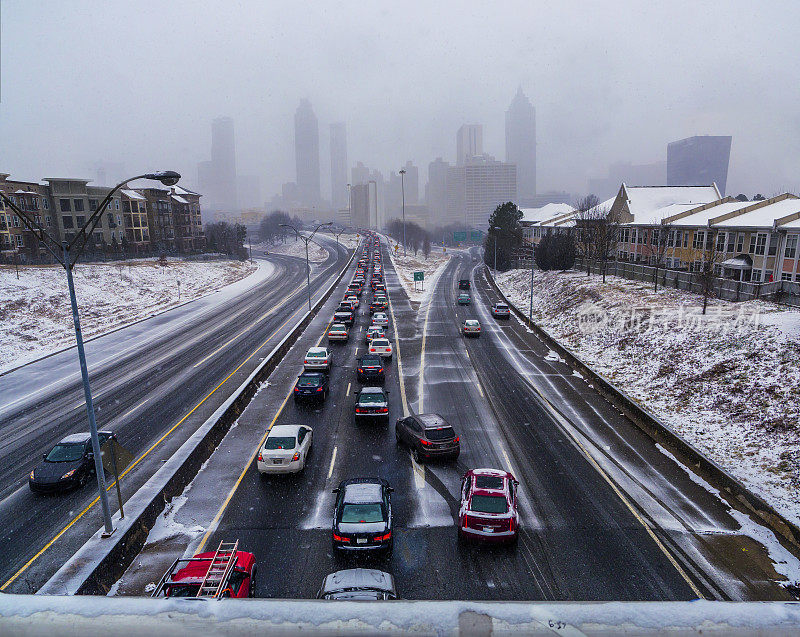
353 300
381 346
471 327
285 449
380 318
338 332
318 358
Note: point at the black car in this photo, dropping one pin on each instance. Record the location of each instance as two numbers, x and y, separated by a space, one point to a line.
362 516
370 370
372 403
429 436
348 318
311 386
69 464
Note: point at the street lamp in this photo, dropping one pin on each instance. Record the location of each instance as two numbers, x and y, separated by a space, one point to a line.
70 252
349 205
403 191
307 240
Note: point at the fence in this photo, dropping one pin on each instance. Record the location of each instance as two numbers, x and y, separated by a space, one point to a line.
785 292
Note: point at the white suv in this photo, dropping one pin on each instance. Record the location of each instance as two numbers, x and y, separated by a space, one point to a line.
318 358
382 347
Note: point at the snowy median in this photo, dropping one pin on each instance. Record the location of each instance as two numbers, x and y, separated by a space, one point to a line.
35 312
727 382
405 266
293 247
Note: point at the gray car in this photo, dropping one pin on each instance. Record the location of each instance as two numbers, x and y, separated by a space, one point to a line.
360 584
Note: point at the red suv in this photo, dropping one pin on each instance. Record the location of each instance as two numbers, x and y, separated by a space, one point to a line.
488 510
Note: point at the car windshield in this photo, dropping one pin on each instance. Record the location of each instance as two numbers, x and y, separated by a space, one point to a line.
440 433
338 327
370 398
316 355
500 306
280 442
367 512
309 381
380 342
372 361
489 504
186 590
488 482
66 452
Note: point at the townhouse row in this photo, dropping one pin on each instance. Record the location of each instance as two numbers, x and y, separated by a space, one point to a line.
136 221
753 241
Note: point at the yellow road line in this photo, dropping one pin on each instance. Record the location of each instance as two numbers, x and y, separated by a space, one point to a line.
138 460
333 460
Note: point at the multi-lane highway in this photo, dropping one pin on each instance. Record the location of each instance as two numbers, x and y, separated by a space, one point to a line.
605 514
153 384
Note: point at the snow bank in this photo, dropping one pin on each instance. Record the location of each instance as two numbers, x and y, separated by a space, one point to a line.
293 247
35 313
728 382
405 266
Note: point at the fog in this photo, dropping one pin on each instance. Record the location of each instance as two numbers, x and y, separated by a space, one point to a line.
137 83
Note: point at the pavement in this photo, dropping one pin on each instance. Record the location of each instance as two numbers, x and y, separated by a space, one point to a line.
605 513
153 384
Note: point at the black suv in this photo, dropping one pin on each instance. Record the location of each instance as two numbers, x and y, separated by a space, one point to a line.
429 436
372 403
69 464
311 386
370 369
346 317
362 516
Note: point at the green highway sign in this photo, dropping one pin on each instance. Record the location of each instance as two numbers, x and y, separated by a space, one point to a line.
475 235
460 236
419 276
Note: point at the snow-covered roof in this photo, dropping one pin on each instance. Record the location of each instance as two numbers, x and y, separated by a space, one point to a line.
644 200
655 217
701 217
178 190
179 199
132 194
25 192
763 217
548 211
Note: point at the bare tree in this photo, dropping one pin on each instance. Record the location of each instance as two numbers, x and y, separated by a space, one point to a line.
706 263
606 238
656 248
586 219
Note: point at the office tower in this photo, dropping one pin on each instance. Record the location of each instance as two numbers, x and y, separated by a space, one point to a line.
338 165
411 183
306 153
436 191
521 144
475 190
217 178
699 161
469 143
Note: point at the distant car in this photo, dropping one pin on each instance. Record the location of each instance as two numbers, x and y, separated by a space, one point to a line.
463 299
463 284
311 386
348 318
69 464
370 369
471 327
358 584
382 347
338 332
186 575
380 318
285 449
354 288
374 331
345 306
377 306
318 358
362 516
380 287
429 436
372 403
488 509
353 300
501 311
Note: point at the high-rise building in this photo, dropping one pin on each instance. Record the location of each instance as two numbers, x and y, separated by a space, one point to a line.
306 153
476 189
699 161
411 183
360 174
217 177
338 165
436 191
469 143
362 210
521 144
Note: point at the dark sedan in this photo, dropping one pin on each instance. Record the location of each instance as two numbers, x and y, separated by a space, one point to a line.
348 318
362 516
429 436
69 464
370 370
311 386
372 403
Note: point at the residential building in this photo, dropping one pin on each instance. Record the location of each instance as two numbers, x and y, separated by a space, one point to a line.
697 160
306 153
469 143
360 174
16 241
338 165
134 215
158 203
521 145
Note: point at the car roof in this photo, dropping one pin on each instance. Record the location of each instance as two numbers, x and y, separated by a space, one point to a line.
317 349
472 322
339 326
74 439
313 374
371 491
358 578
432 420
284 430
375 341
372 357
372 390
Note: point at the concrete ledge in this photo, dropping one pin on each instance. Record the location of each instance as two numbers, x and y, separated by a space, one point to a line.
667 437
101 561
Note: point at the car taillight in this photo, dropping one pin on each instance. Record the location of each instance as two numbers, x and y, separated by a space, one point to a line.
371 349
296 456
477 329
381 369
341 538
358 410
425 442
511 524
319 388
384 410
297 389
383 538
360 371
457 439
260 457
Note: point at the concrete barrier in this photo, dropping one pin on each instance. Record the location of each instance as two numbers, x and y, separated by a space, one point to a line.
101 561
662 433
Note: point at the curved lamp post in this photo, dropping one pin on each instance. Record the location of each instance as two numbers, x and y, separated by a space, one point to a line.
67 254
307 240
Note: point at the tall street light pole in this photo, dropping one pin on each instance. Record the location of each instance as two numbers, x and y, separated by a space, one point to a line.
349 205
307 240
67 254
403 191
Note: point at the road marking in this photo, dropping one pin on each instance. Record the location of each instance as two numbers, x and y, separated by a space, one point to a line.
505 456
403 399
419 473
356 352
130 411
139 459
347 393
333 460
421 386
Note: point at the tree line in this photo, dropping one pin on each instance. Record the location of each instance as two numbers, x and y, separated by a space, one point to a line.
416 237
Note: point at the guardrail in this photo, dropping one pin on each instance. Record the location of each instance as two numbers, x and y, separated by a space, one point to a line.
101 561
667 437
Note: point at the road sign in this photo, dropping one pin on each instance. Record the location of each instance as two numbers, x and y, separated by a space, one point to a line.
460 236
475 235
419 276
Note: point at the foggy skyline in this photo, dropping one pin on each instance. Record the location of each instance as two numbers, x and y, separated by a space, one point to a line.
139 83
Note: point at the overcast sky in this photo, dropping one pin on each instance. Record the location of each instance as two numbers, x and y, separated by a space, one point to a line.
138 83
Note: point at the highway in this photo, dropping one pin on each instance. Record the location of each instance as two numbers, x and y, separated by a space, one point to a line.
153 383
605 514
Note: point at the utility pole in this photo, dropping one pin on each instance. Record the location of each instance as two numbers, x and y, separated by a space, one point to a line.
307 240
403 191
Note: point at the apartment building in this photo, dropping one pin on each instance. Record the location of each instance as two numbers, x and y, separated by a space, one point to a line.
16 241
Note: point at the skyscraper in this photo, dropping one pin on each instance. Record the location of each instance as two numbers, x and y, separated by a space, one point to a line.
469 143
476 189
699 161
411 183
218 177
521 144
436 191
306 153
338 165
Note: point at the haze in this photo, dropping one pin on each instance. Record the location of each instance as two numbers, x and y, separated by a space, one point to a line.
138 83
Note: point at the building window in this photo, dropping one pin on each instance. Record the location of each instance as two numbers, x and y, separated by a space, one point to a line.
761 242
20 243
92 204
116 204
786 276
80 220
68 222
78 205
773 245
721 242
686 239
756 276
45 203
16 221
791 246
739 242
697 241
48 220
65 205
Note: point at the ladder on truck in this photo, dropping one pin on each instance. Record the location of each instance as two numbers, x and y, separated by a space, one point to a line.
219 570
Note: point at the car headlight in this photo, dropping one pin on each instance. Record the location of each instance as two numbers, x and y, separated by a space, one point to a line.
69 474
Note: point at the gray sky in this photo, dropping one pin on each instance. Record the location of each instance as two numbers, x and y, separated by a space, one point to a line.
138 83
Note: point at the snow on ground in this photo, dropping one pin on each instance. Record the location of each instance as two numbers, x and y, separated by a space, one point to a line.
36 316
728 382
407 265
348 240
293 247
